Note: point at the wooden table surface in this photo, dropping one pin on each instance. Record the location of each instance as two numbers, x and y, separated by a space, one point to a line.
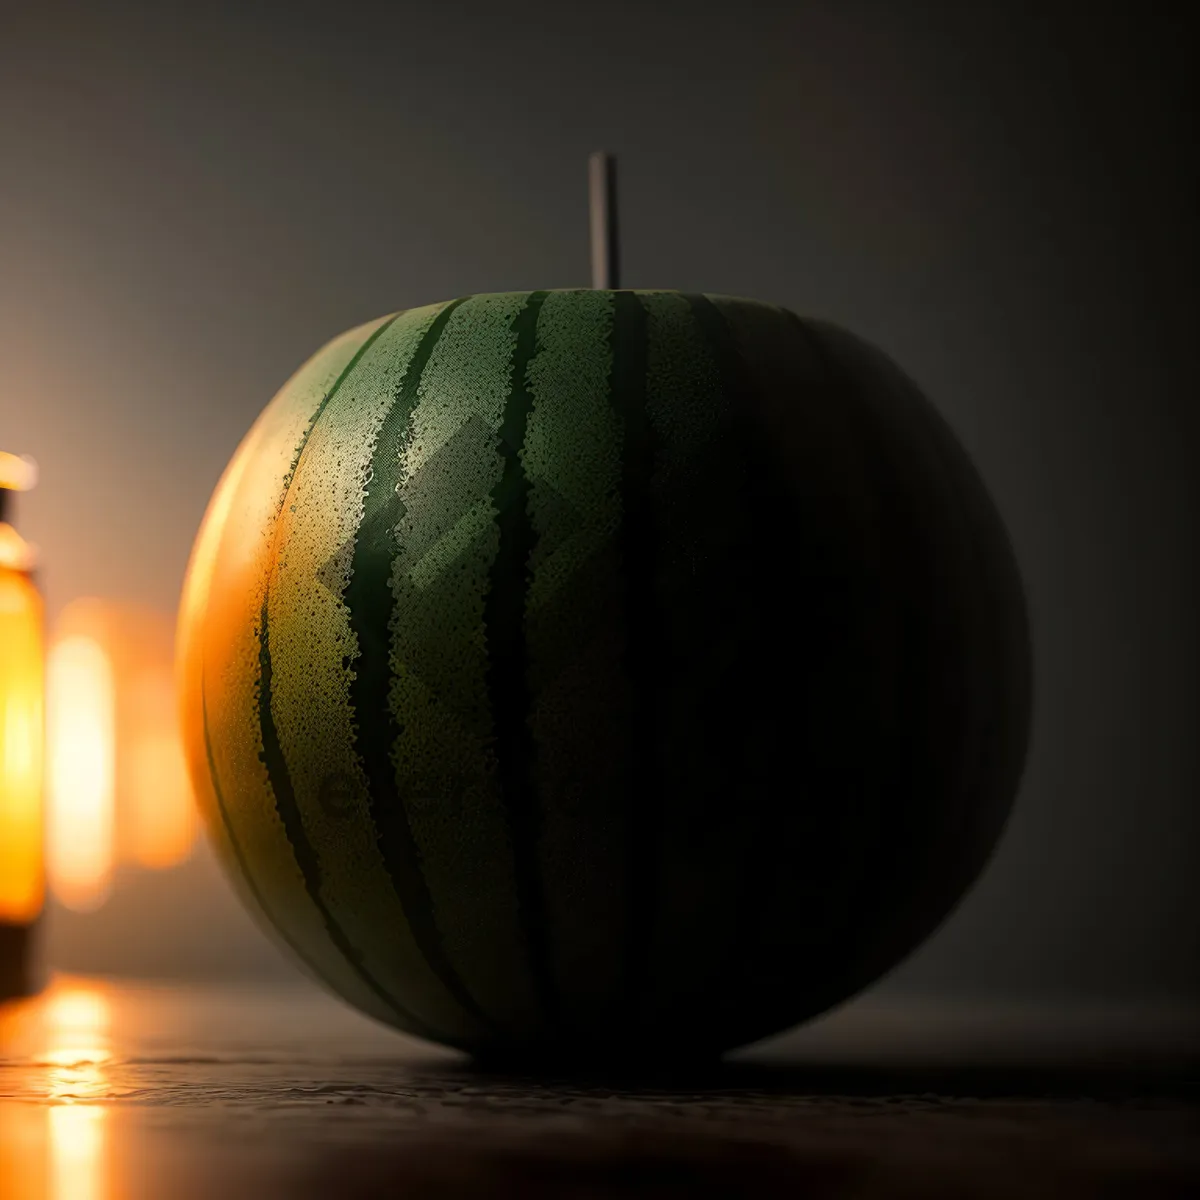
110 1091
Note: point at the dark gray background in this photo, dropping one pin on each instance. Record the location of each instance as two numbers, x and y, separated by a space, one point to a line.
999 195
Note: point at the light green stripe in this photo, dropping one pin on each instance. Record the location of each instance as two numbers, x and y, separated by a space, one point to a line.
231 604
445 757
572 450
457 540
311 645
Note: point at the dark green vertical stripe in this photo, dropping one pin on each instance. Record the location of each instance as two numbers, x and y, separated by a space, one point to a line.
508 658
371 606
236 846
272 756
644 634
306 857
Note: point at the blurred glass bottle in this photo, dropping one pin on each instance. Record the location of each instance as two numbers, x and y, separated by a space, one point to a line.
22 862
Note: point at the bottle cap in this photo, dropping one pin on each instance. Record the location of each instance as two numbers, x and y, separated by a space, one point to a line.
18 472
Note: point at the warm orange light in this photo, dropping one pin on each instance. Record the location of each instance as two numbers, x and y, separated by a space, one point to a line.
77 1018
81 731
152 822
21 859
22 1151
165 828
16 554
160 807
77 1050
58 1150
77 1153
17 471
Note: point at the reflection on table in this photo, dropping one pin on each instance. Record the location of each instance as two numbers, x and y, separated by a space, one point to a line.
113 1091
56 1151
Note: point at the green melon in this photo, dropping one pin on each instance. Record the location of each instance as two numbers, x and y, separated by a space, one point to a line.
602 672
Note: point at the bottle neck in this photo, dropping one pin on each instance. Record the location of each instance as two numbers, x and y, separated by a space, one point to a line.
15 553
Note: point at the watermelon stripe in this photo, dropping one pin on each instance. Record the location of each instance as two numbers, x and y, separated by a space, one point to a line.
410 1022
329 395
236 846
289 813
507 680
645 632
371 604
521 568
272 756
